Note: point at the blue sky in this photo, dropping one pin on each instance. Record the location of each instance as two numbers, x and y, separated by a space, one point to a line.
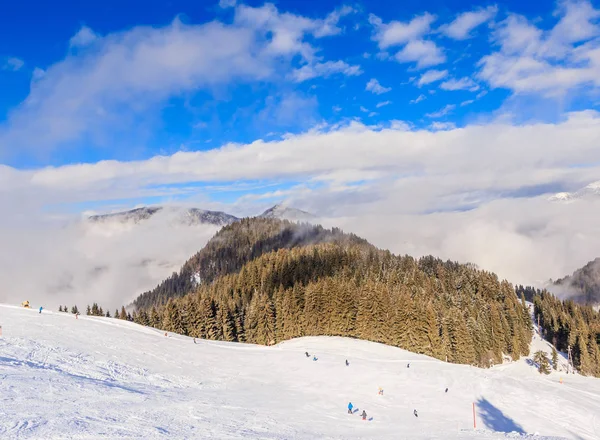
87 82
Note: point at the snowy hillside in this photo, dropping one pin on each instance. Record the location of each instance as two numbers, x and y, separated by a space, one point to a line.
283 212
63 378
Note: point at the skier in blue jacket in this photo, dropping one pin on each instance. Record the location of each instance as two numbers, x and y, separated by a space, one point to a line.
350 408
40 309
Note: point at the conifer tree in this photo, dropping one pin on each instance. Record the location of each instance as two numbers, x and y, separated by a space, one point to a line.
554 358
60 309
123 314
89 310
116 315
74 310
539 357
107 314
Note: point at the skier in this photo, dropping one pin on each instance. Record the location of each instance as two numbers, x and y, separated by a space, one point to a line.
446 389
415 413
347 363
350 406
306 353
364 415
315 358
408 365
194 340
380 391
40 309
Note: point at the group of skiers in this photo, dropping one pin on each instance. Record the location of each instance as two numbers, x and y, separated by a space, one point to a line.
363 415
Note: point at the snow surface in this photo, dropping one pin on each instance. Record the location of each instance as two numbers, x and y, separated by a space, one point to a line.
67 378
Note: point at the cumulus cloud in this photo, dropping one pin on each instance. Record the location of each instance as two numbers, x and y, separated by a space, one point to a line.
98 93
383 104
227 3
397 33
84 37
418 99
13 64
461 27
532 60
441 112
464 83
325 70
373 86
423 52
431 76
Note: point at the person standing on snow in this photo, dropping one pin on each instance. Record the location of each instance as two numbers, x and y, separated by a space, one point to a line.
364 415
306 353
415 413
41 309
408 365
350 406
315 358
347 363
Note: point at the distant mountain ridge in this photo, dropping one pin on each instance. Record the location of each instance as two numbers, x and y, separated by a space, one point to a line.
583 286
192 216
591 190
187 216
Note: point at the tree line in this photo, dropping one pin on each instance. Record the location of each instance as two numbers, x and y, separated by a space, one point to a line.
96 310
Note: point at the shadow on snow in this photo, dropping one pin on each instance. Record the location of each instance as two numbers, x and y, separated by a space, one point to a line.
495 419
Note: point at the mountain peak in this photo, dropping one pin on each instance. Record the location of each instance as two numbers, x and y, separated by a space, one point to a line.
284 212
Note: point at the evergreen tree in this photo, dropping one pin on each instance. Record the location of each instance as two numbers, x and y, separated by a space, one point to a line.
88 311
60 309
74 310
554 358
107 314
539 357
116 315
123 314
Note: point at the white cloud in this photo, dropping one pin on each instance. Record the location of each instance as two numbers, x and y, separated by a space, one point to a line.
383 104
431 76
227 3
418 99
13 64
374 87
467 102
437 125
441 112
460 84
371 114
531 60
325 70
462 26
104 93
336 108
84 37
363 109
425 53
398 33
329 26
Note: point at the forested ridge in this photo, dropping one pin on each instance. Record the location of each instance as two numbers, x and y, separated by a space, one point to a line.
566 323
264 281
236 244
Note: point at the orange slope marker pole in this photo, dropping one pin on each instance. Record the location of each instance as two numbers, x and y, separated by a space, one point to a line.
474 420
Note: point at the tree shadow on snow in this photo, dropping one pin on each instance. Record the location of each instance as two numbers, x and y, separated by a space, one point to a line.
494 419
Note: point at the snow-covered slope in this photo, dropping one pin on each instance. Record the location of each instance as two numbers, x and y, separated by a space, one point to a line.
283 212
62 378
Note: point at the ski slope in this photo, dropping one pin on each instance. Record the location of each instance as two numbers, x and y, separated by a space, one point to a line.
89 378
